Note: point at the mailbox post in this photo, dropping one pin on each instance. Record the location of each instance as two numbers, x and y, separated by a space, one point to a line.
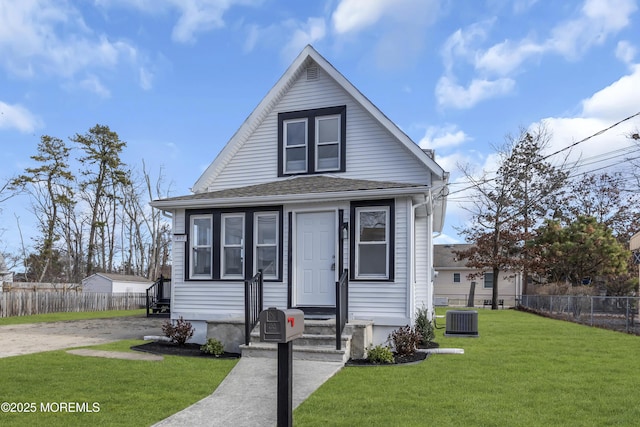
282 327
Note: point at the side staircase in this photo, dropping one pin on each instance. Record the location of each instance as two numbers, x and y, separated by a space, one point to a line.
317 343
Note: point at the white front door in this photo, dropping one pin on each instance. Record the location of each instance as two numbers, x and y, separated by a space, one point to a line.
315 259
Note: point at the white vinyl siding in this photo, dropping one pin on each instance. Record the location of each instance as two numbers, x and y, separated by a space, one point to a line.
201 246
367 142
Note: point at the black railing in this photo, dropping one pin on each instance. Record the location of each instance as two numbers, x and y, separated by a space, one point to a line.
159 297
252 304
342 306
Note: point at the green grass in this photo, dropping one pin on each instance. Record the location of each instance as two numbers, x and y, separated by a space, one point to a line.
523 370
56 317
129 392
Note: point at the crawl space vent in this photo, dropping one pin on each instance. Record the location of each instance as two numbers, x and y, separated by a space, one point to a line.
461 323
312 73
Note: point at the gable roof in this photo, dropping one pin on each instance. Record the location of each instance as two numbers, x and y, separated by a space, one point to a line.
308 55
444 258
315 187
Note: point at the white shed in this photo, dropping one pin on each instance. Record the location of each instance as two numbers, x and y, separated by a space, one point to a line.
115 283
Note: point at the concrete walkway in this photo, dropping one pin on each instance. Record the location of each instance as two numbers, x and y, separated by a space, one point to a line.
248 395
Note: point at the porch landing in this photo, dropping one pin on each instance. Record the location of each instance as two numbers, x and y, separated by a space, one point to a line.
248 395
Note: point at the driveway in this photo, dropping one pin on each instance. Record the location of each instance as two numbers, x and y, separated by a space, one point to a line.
36 337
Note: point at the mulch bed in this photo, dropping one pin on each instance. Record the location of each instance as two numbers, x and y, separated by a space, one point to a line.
416 357
172 349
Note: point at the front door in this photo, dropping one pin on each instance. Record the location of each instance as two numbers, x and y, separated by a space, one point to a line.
315 259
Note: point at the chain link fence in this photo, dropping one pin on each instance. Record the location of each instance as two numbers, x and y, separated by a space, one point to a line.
615 313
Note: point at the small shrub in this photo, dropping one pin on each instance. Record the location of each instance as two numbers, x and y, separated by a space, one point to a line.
425 327
405 340
380 354
178 333
213 346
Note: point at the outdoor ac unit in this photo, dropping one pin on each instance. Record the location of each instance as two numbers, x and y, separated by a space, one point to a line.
461 323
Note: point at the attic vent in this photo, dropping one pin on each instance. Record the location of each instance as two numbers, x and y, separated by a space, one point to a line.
462 323
312 73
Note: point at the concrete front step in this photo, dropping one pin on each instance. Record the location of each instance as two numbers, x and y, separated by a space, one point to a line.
313 340
304 352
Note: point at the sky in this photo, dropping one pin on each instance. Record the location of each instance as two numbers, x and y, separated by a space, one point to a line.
176 78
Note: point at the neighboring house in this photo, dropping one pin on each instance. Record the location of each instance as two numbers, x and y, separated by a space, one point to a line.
115 283
453 285
315 181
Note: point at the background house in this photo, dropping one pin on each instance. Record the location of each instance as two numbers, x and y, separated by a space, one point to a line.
452 284
115 283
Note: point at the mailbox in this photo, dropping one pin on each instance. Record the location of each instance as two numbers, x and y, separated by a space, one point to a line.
281 325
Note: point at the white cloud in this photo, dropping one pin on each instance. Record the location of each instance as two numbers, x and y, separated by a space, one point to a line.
595 22
398 28
604 108
504 58
450 94
354 15
194 16
617 100
462 43
46 36
303 34
17 117
93 84
442 137
146 78
625 51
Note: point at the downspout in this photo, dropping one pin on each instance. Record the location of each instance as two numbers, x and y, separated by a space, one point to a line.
429 236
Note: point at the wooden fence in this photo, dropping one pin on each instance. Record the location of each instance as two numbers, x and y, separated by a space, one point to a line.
30 302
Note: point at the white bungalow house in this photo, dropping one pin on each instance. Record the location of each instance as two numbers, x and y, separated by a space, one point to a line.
115 283
316 181
453 284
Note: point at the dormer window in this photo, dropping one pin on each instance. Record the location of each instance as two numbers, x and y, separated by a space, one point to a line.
312 141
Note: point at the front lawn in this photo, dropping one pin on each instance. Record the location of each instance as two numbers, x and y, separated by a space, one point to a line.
523 370
127 392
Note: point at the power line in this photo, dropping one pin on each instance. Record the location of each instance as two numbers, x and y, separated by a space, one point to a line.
600 132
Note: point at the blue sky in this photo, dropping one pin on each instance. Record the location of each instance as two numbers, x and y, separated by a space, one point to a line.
176 78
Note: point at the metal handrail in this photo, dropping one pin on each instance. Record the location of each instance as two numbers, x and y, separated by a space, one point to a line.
342 306
253 296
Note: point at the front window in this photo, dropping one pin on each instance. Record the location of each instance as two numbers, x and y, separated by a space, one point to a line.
372 245
456 277
266 244
201 245
232 262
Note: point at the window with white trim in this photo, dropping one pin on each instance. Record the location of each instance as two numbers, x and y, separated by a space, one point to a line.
327 143
201 246
456 277
232 247
372 242
295 146
266 244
